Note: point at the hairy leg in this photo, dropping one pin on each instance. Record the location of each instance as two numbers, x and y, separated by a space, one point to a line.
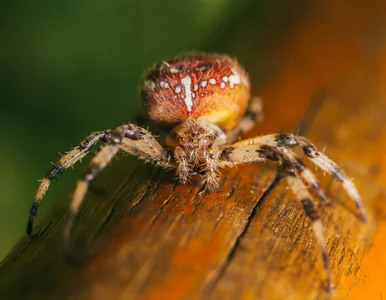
306 175
98 163
66 161
130 138
255 153
284 141
302 195
327 165
142 144
262 152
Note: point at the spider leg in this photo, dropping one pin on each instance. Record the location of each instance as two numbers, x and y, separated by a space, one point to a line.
282 141
254 152
98 163
142 144
305 174
327 165
66 161
300 191
133 140
253 114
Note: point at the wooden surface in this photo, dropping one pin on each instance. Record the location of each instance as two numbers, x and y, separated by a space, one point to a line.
141 236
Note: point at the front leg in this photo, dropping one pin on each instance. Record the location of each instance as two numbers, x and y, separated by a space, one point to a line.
141 143
282 142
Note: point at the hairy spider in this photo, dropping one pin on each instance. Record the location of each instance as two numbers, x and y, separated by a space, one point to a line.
205 99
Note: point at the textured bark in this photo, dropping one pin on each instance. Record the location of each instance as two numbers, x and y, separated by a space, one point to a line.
141 236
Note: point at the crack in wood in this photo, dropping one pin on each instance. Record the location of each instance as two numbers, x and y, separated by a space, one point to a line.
160 210
208 289
304 126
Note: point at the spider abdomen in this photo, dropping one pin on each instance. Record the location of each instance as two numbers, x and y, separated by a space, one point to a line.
214 88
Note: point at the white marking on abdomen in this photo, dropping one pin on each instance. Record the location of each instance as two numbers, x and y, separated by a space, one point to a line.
234 79
164 84
187 82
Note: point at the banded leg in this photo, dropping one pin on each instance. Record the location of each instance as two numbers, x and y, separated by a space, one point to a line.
257 153
300 191
142 144
253 114
305 174
66 161
282 141
327 165
98 163
133 140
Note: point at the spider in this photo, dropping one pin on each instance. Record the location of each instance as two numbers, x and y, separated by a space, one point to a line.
204 100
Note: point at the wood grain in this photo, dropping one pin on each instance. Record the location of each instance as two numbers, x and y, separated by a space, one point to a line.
141 236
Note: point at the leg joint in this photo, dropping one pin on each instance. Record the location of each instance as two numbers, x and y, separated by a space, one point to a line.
55 171
268 152
310 209
285 140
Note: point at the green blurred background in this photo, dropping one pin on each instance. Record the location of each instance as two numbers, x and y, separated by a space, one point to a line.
72 67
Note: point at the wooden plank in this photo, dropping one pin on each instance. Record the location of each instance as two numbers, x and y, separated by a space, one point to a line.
141 236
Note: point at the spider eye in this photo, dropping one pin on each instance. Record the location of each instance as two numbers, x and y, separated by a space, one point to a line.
182 139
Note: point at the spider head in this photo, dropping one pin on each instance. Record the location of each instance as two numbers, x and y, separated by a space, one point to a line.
195 134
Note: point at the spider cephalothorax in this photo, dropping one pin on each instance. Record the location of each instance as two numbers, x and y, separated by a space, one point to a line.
197 150
205 99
